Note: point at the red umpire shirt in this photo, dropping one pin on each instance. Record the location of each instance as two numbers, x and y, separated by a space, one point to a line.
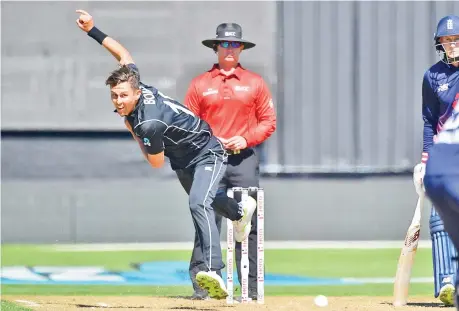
236 105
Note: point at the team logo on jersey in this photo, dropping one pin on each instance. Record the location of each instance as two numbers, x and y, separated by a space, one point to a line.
443 87
271 104
146 142
210 92
241 88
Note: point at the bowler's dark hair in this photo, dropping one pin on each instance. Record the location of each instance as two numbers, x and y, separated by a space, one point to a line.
124 74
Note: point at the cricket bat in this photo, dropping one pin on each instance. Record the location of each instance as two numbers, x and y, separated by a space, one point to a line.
406 259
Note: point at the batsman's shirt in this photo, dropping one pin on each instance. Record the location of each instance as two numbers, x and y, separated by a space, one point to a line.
236 105
163 124
440 94
447 144
440 88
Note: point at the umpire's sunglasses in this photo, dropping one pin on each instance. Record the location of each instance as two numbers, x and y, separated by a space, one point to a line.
227 44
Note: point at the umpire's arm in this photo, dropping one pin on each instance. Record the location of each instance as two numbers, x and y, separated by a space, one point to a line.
266 117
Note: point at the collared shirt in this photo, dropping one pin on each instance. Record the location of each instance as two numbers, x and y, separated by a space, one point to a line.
239 104
163 124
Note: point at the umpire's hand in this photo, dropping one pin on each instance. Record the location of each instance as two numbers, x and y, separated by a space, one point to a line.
85 21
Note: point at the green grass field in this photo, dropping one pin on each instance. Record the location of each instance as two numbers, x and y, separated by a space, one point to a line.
9 306
359 263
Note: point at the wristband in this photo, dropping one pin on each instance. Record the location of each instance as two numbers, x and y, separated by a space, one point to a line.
97 35
424 157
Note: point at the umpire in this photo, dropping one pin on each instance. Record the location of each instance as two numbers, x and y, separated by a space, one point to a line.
238 105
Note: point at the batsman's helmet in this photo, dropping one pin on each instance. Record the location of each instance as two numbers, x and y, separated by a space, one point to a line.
447 26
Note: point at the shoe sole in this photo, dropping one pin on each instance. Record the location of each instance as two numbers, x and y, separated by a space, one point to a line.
447 295
199 298
212 286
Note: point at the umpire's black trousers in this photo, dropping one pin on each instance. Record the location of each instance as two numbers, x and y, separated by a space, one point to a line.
242 171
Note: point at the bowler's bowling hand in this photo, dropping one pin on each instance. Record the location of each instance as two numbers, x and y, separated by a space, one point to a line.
85 21
236 143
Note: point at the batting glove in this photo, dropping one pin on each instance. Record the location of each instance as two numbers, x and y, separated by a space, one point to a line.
418 178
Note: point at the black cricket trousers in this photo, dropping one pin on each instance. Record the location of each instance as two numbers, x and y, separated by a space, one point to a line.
201 182
242 171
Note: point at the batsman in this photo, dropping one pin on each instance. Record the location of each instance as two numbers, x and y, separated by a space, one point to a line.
440 92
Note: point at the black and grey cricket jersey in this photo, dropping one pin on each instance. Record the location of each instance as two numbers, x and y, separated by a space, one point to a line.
164 124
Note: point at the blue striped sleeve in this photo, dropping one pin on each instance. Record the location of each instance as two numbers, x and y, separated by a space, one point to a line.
430 110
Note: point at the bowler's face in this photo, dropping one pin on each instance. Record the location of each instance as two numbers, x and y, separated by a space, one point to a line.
124 98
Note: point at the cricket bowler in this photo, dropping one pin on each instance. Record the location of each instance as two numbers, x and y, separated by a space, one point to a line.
164 127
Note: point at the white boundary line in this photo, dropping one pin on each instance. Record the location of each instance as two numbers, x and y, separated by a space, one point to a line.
95 247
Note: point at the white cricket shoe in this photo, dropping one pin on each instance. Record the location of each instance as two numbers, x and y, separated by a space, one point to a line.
213 283
243 226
